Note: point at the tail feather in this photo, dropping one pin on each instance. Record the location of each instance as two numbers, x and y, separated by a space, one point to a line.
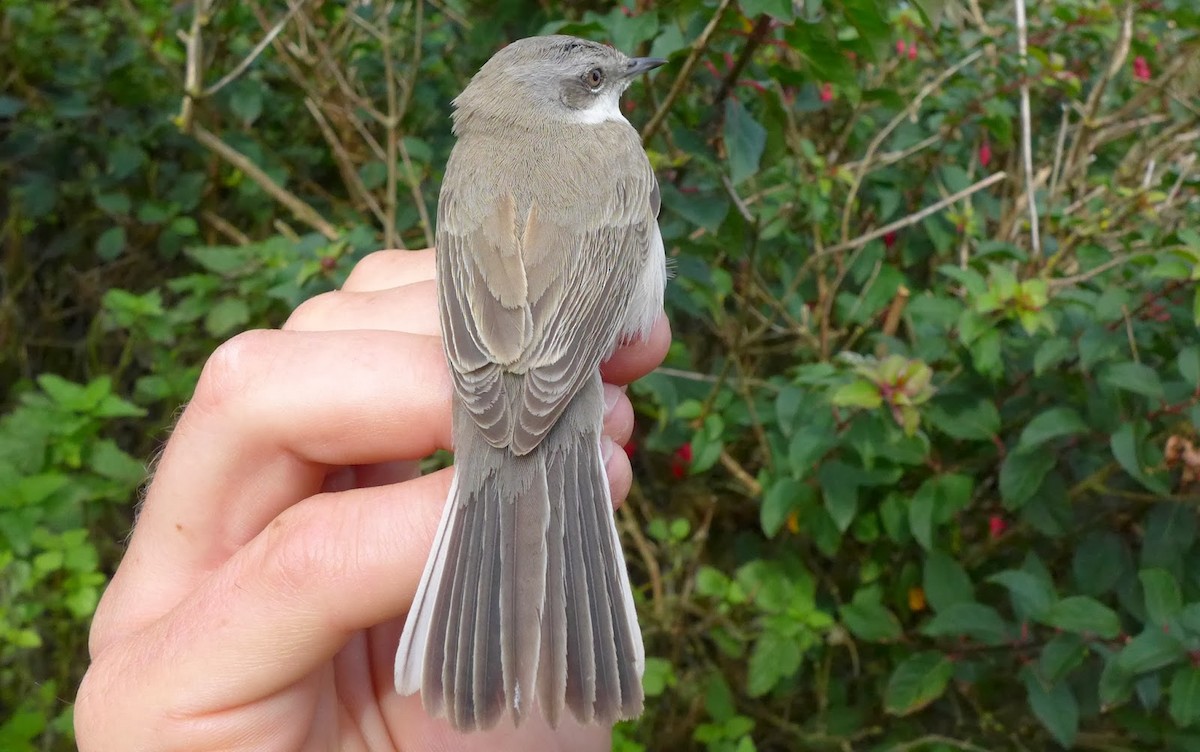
526 591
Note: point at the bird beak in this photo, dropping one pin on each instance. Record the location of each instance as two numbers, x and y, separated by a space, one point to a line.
639 65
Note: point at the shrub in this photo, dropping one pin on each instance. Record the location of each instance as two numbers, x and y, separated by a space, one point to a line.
921 469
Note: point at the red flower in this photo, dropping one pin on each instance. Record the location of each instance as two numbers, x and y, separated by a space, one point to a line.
901 47
985 153
889 239
826 92
1141 69
912 51
630 448
681 461
996 526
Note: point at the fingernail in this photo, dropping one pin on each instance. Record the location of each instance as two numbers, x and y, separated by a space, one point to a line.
611 395
607 447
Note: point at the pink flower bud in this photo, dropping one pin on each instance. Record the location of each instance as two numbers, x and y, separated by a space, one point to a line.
912 51
901 47
985 153
826 92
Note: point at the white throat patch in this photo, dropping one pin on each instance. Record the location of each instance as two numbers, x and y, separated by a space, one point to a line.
604 110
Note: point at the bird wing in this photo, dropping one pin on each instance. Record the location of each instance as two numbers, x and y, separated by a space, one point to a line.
534 290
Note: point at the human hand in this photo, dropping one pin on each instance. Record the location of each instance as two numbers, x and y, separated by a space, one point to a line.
260 601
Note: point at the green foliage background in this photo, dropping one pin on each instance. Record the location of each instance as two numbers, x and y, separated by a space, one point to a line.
907 481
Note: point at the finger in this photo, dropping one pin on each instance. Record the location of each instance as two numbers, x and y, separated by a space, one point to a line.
407 308
635 360
326 568
271 413
385 269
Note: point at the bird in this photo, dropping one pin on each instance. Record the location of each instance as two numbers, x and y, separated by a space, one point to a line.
548 258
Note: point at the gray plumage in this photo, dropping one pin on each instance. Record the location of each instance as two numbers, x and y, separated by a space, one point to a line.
548 257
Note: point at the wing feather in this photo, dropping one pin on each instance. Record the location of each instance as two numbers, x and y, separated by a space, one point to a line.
539 287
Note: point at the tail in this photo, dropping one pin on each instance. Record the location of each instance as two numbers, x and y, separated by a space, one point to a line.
526 589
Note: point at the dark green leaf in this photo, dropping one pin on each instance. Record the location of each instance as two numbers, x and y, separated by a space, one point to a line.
1138 378
1056 707
980 421
1151 650
1126 445
1022 474
975 620
918 681
1099 561
1189 365
1085 616
1060 656
745 139
1052 424
871 621
839 487
1164 600
779 501
780 9
1032 597
1185 696
946 582
111 243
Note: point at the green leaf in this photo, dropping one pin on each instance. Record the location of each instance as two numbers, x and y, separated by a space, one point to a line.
1116 684
775 657
658 677
1164 600
1021 475
1126 445
1130 376
839 488
918 681
1085 616
1151 650
945 582
1185 696
975 620
227 315
779 501
977 422
1052 424
111 243
745 140
780 9
1031 596
1189 365
1099 561
1056 707
871 621
107 460
1061 656
1051 352
860 393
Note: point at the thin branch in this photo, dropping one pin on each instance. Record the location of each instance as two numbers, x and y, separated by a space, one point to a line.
912 219
900 117
1096 271
294 203
685 72
240 68
1026 130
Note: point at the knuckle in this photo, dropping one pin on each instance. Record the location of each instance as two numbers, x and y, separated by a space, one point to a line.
301 547
370 267
233 368
308 314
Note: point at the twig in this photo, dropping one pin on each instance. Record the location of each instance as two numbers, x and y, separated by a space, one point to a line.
1059 145
1093 272
294 203
912 218
345 163
660 115
241 67
753 487
1026 130
900 117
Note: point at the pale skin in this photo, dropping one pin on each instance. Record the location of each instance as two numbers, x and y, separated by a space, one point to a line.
260 601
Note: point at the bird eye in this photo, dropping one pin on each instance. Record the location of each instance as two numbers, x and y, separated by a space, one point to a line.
594 78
